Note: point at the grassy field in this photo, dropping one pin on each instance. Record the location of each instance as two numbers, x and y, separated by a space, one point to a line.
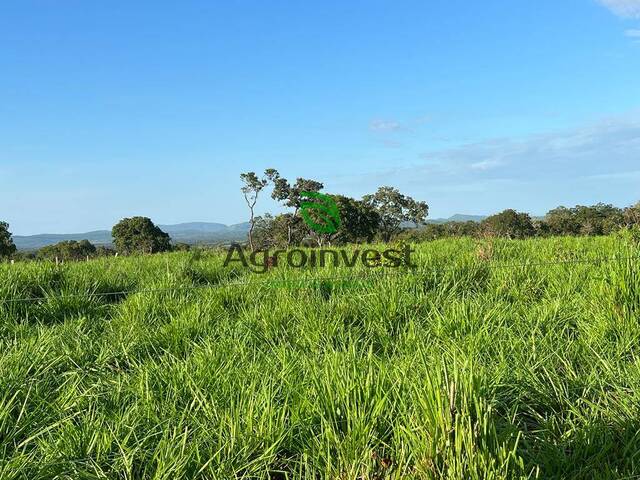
472 366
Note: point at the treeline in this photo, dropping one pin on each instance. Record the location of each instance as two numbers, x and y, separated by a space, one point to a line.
599 219
379 216
388 214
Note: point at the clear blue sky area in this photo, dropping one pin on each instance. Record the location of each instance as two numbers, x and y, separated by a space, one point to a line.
114 109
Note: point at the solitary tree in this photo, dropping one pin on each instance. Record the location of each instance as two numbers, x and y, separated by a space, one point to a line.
139 234
251 188
510 224
395 208
7 247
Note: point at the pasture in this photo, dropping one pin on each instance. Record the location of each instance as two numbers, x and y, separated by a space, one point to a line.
491 360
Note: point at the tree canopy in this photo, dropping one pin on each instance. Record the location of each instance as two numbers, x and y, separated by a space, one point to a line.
139 235
394 209
291 197
632 215
7 247
508 223
68 250
359 221
599 219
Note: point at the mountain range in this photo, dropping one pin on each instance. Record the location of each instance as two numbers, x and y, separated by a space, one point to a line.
459 218
192 233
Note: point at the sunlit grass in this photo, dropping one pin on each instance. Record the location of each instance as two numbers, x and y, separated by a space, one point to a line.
473 365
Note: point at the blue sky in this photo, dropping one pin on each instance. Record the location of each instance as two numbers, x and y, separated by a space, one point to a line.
113 109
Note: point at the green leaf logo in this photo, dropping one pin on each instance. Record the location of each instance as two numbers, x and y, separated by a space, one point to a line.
321 213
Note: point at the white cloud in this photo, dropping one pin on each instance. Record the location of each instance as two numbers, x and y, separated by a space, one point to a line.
485 165
623 8
581 165
602 153
390 143
407 125
384 126
631 177
633 33
596 149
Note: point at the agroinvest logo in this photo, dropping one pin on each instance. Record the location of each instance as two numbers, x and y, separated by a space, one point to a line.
321 214
326 212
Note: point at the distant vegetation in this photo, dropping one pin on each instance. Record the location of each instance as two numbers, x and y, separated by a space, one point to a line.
595 220
68 250
389 215
384 216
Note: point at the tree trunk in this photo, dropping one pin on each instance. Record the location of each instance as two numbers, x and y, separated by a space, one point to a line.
251 234
252 222
295 212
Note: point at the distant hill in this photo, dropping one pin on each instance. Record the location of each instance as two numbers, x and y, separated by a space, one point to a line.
34 242
202 232
454 218
193 233
459 218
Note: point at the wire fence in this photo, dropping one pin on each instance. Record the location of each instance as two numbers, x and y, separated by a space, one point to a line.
304 282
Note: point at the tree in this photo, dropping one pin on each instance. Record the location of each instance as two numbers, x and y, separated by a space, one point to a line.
394 208
599 219
251 188
181 247
462 229
7 247
279 231
104 251
68 250
291 197
510 224
359 221
541 227
139 234
262 232
435 231
632 215
24 255
562 221
431 231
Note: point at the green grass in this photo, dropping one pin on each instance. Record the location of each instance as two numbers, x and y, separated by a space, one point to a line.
470 367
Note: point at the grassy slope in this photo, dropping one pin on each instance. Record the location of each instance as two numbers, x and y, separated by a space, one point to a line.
463 369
